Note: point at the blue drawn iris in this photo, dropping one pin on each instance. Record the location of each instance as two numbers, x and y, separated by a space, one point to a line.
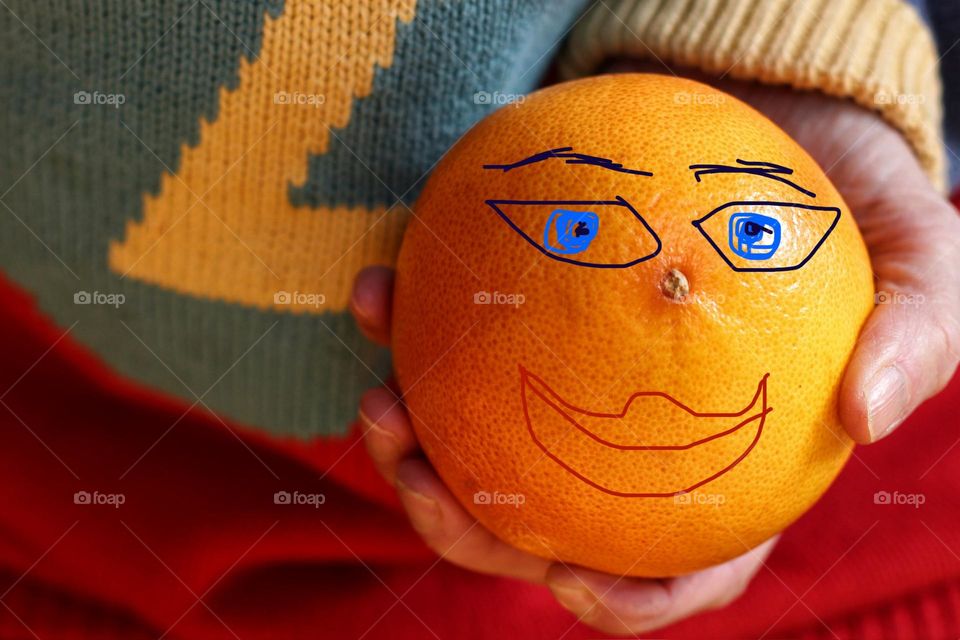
754 236
570 232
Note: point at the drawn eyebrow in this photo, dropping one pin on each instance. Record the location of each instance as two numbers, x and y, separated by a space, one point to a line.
763 169
568 155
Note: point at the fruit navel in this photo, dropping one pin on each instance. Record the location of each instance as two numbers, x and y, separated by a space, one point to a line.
674 285
678 340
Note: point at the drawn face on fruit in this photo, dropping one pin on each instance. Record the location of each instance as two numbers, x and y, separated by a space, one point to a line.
612 234
630 299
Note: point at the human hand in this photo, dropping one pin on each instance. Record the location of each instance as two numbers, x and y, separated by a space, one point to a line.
610 603
913 236
910 345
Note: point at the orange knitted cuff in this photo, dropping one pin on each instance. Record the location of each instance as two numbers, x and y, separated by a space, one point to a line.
875 52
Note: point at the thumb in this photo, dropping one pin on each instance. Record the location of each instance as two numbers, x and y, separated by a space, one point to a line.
909 348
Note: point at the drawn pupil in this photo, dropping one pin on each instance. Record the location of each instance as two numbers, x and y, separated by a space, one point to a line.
753 228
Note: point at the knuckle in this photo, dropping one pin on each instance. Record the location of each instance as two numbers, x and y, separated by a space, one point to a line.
737 584
461 556
601 618
947 326
457 549
950 328
435 541
729 596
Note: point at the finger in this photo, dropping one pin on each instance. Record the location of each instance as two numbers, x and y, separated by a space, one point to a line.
635 605
909 348
371 301
387 431
453 533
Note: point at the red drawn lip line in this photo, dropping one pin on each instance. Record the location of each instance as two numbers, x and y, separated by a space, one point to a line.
761 387
667 494
525 374
761 416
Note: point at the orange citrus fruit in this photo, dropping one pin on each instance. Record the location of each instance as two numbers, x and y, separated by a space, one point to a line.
622 314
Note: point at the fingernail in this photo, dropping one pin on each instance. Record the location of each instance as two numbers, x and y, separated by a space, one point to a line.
372 426
886 401
359 310
575 599
365 419
367 294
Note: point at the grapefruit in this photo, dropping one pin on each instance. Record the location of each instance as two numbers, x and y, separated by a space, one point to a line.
622 313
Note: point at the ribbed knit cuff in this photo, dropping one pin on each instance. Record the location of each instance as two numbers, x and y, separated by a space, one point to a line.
875 52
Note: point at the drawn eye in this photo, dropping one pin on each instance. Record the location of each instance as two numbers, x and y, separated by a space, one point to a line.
767 236
754 236
589 233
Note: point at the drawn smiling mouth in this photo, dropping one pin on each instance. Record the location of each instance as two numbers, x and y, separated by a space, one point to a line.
589 444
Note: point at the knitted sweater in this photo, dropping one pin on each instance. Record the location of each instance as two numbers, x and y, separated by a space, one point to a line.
190 187
202 158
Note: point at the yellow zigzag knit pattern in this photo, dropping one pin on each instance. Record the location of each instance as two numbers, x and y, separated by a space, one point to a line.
222 226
